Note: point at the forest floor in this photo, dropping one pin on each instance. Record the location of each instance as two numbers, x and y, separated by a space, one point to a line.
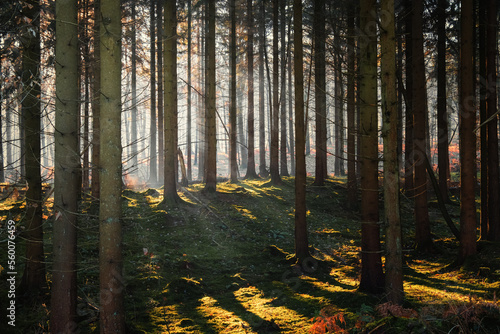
221 263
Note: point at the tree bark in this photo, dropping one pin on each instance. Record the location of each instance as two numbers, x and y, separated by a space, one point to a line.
467 135
491 110
283 110
211 153
153 166
442 115
301 238
262 119
320 91
409 158
112 317
170 195
394 251
274 163
372 278
160 102
233 166
251 172
189 84
96 104
66 183
34 274
352 191
419 111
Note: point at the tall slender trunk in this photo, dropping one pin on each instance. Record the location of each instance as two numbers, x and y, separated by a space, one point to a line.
320 91
133 69
112 317
96 104
483 131
153 166
189 84
262 119
290 109
351 112
274 163
159 51
409 158
233 166
394 251
34 273
251 172
170 121
66 182
467 135
211 153
372 277
301 238
419 111
491 111
442 115
283 109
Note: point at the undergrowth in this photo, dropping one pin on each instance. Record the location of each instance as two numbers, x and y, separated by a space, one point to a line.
223 263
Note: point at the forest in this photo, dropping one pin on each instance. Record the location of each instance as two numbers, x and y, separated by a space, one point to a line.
249 166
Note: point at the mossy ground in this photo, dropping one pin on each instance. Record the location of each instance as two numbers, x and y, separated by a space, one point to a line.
222 263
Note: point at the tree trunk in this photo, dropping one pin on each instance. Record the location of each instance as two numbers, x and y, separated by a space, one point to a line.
419 111
394 251
491 111
372 277
274 163
467 135
251 172
442 115
153 176
159 52
233 166
66 183
262 119
283 138
409 158
290 110
320 91
133 70
211 153
301 241
96 104
170 196
189 84
112 317
34 273
483 130
352 191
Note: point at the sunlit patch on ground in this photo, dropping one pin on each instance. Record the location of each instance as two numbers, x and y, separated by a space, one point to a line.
223 321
